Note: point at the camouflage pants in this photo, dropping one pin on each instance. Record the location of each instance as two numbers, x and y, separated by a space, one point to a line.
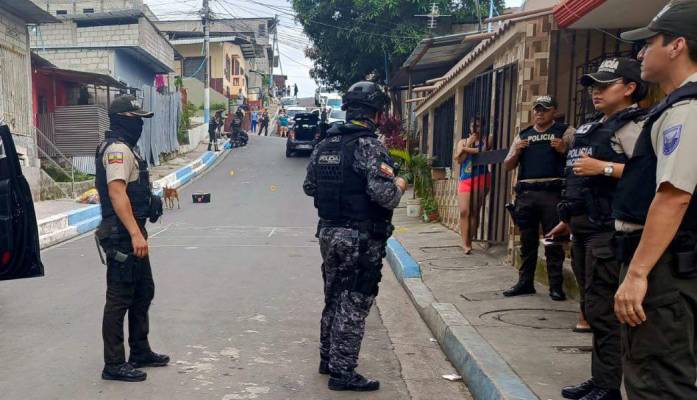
351 274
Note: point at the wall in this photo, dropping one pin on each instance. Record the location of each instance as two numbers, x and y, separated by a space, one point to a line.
77 6
218 53
15 93
93 60
131 71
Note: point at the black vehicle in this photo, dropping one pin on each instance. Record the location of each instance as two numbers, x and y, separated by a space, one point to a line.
20 255
304 134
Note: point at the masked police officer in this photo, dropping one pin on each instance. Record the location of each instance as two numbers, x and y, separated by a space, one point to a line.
656 215
594 165
352 180
126 201
539 153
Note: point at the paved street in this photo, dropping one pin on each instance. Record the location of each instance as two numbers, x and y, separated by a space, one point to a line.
237 304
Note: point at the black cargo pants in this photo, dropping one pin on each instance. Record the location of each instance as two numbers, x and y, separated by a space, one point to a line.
598 274
660 355
535 208
130 289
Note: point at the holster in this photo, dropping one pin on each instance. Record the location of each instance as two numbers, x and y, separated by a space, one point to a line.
367 276
568 209
624 244
684 249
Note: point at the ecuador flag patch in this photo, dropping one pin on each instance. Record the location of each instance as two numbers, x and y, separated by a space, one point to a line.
114 158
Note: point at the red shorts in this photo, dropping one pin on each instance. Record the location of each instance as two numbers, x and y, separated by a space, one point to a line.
479 182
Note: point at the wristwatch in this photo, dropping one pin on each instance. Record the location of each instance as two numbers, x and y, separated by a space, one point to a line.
609 169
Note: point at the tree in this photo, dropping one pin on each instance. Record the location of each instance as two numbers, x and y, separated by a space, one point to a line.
356 38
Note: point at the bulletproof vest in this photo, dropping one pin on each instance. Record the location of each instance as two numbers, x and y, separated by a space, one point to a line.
341 191
637 188
138 192
539 160
596 193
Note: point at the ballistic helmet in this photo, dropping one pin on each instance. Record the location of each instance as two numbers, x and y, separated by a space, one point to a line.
365 94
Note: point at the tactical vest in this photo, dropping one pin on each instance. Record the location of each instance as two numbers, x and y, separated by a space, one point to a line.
341 191
595 194
637 188
138 192
539 160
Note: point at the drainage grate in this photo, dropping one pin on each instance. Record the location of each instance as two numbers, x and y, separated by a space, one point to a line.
535 318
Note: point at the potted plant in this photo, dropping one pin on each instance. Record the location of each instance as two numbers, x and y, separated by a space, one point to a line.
430 206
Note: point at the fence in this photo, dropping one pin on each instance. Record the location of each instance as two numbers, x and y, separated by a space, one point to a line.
160 132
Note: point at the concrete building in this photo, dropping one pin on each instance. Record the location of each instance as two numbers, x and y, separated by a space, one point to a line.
63 7
15 81
254 38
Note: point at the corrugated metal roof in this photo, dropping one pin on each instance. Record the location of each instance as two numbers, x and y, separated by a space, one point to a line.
27 11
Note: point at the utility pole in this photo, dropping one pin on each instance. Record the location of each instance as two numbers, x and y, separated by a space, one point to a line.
273 50
206 16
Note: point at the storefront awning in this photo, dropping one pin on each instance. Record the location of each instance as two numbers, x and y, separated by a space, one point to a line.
606 14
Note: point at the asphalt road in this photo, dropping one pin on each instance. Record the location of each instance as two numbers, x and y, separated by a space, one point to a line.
237 303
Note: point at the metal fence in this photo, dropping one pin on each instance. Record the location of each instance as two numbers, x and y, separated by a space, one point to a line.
443 126
160 132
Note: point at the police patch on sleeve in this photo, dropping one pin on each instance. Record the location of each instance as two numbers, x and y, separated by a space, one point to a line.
671 139
115 157
386 170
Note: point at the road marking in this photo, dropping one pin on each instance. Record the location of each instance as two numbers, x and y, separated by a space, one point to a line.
272 232
161 231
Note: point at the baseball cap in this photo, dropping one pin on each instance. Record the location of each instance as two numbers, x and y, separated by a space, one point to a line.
676 18
124 104
613 69
545 101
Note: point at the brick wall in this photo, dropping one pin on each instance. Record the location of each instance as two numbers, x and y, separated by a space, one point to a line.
94 60
155 44
15 92
77 6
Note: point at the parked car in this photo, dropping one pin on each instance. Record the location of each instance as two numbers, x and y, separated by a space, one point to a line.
289 101
336 115
293 111
304 134
20 255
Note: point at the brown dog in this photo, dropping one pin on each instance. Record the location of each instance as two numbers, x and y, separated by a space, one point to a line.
170 195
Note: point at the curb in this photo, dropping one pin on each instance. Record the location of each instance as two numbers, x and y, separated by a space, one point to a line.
485 372
63 227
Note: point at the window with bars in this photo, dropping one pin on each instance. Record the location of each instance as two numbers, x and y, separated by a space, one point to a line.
443 127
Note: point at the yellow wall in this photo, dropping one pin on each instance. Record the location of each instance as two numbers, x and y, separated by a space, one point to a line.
218 53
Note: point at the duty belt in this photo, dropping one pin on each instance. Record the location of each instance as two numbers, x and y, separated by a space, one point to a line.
547 186
380 228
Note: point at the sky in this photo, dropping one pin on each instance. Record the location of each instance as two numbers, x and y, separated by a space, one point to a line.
292 41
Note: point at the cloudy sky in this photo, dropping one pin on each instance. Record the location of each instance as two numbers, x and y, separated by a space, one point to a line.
292 42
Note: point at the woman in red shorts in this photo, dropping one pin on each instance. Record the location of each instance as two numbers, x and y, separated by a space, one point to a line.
474 182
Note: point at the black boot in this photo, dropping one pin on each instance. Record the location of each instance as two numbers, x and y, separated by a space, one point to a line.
324 367
603 394
577 391
149 360
124 372
520 288
556 293
352 381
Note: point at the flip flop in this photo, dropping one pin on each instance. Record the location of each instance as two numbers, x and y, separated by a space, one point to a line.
582 330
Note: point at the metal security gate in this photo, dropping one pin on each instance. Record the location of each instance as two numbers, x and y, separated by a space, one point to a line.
491 96
443 126
424 135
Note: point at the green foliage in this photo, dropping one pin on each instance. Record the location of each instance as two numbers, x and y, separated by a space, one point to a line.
404 159
354 38
423 181
429 205
60 176
188 111
215 107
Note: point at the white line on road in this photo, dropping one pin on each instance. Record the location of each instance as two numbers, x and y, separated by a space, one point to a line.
272 232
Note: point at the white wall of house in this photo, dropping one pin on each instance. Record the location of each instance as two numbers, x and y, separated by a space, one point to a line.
15 93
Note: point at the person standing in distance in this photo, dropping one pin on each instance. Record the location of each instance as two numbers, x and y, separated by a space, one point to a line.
656 218
539 153
594 165
354 185
126 200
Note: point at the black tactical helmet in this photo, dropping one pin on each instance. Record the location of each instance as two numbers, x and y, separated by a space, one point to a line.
365 94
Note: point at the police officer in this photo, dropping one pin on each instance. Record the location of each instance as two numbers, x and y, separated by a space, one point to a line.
213 129
594 164
126 200
539 153
352 180
656 215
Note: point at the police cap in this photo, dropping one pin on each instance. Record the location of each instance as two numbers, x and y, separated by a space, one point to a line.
677 18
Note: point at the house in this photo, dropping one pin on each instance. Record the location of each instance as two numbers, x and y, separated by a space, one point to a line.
543 48
125 45
228 66
252 35
15 81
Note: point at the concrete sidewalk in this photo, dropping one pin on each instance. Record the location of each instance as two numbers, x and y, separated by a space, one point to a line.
505 348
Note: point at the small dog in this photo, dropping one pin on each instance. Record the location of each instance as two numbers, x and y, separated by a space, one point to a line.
170 195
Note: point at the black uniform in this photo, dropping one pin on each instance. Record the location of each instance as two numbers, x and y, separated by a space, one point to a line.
130 286
537 200
587 206
213 133
351 178
660 355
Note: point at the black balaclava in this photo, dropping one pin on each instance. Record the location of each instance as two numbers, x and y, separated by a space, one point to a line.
126 128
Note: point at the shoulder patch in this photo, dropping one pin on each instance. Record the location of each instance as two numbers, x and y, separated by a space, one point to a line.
114 157
671 139
386 170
